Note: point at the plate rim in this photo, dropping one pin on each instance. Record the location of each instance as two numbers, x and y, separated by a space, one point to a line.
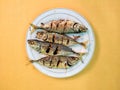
93 35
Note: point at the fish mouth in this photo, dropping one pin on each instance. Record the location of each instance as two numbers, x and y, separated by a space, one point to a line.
32 41
83 28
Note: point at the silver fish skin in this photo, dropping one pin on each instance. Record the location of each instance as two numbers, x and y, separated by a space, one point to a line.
50 48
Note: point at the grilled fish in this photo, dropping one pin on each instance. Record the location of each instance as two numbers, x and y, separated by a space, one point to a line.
61 26
61 62
58 38
50 48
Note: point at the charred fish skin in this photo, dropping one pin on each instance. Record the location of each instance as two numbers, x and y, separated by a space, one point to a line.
57 38
62 26
50 48
59 62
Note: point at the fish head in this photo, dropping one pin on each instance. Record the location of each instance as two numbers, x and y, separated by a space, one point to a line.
35 44
45 26
41 35
83 28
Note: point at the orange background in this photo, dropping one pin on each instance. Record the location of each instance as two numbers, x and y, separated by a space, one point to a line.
103 72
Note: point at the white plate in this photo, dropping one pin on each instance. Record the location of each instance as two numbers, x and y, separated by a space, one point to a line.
63 14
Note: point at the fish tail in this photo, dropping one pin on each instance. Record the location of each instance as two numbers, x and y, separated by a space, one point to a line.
80 57
28 61
31 61
33 26
84 44
76 37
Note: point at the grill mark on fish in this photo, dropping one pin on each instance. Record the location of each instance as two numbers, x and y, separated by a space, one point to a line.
48 49
62 40
68 63
67 41
64 26
53 38
51 25
56 51
57 25
58 61
50 61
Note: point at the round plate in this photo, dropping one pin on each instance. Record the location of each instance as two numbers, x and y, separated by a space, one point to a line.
63 14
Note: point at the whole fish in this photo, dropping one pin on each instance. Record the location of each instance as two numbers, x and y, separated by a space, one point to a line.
61 26
50 48
58 38
61 62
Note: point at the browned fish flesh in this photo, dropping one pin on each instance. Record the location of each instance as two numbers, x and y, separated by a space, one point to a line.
58 38
61 26
61 62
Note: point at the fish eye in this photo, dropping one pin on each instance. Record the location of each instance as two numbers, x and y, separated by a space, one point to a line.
32 42
40 33
47 27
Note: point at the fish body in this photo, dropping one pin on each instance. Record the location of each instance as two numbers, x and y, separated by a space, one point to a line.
57 38
61 26
50 48
61 62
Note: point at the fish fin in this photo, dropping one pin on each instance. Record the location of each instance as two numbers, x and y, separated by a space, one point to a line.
29 62
34 27
75 37
66 66
80 57
84 43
